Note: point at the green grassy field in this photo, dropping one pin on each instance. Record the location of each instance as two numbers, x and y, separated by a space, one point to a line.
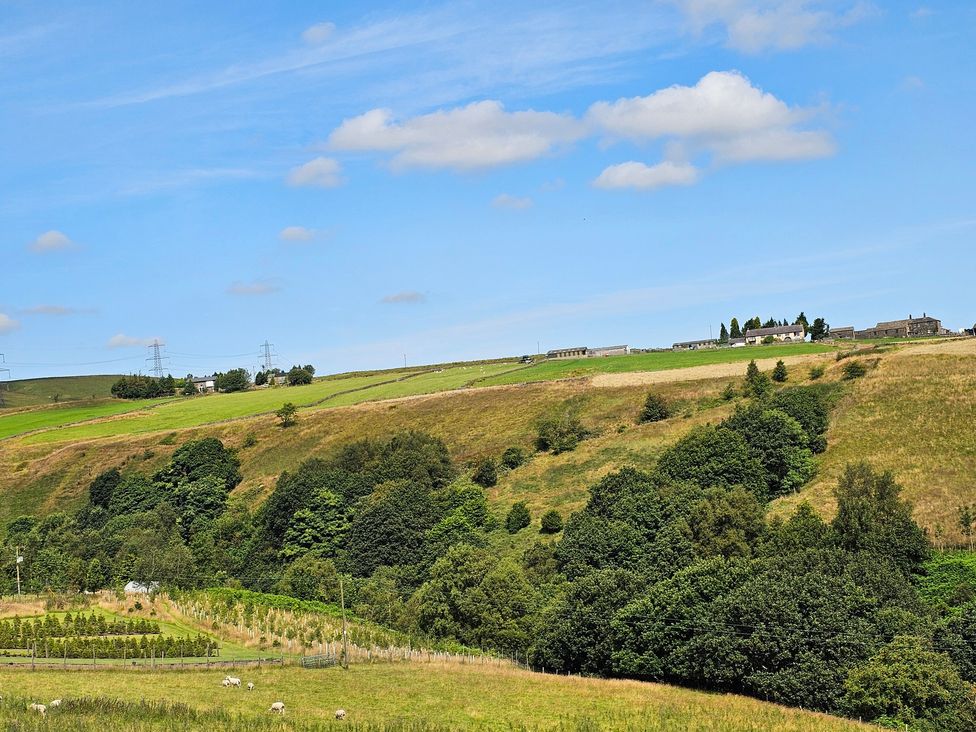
180 413
20 422
398 696
33 392
659 361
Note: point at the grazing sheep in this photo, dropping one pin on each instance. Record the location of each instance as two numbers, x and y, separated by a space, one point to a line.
250 686
55 703
225 682
233 681
38 708
340 714
278 707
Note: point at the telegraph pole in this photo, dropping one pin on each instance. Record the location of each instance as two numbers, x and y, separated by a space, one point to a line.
2 372
156 359
18 561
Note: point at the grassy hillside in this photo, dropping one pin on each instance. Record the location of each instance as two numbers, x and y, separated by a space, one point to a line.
179 412
392 696
915 414
658 361
57 389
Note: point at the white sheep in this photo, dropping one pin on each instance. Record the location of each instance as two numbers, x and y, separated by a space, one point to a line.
38 708
225 682
54 704
340 714
233 681
278 707
250 686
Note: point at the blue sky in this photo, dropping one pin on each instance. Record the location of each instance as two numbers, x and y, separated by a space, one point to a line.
359 181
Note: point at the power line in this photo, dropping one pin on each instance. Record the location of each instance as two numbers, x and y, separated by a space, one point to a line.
156 359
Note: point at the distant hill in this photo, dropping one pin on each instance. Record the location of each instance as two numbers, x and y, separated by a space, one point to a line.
56 390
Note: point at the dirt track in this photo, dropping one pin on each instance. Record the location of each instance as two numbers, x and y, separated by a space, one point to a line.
713 371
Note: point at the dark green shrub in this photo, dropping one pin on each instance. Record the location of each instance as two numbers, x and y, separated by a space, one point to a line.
817 372
655 409
561 431
518 518
780 373
729 393
513 457
552 522
854 370
486 474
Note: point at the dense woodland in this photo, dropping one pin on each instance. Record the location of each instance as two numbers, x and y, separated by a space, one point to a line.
676 575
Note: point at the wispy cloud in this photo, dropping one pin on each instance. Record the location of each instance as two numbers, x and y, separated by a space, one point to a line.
53 310
446 51
517 203
753 26
297 234
318 34
7 324
121 340
185 178
407 297
50 241
256 287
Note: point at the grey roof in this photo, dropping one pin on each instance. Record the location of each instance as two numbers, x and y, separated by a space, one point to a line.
777 330
607 348
201 379
733 341
903 322
692 343
563 350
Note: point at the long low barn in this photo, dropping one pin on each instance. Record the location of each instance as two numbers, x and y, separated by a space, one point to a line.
584 352
695 345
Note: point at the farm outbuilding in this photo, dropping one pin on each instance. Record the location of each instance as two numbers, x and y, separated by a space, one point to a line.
695 345
575 352
607 351
205 384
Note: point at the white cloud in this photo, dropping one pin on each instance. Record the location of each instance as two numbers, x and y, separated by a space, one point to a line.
121 340
722 103
297 233
638 175
257 287
7 324
407 297
775 145
479 135
504 200
319 33
723 113
320 172
753 26
51 241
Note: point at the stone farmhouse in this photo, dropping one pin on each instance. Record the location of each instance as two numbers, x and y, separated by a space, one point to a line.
785 333
908 328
